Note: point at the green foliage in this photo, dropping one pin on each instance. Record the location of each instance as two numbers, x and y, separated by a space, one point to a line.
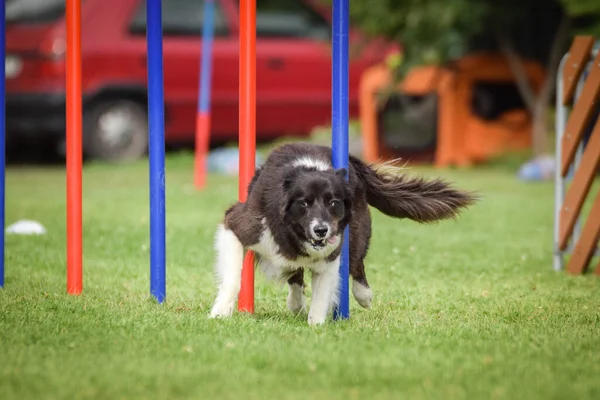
431 31
437 31
587 15
577 8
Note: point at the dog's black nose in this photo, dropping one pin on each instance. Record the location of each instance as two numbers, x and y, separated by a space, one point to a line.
321 230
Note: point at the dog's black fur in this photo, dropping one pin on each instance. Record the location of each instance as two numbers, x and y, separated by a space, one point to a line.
287 197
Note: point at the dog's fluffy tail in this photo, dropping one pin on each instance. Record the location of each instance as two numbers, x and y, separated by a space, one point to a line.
399 196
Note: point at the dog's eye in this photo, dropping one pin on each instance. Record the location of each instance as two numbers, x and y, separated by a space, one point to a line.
333 203
303 203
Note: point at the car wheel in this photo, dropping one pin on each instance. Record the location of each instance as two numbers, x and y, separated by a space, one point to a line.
116 131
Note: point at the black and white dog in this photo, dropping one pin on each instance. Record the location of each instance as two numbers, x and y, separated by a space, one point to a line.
295 215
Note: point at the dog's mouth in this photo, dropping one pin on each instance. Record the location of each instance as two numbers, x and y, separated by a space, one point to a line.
319 244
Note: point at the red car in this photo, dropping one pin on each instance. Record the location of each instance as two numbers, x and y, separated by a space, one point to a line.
293 70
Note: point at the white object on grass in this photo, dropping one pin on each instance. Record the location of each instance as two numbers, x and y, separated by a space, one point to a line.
26 227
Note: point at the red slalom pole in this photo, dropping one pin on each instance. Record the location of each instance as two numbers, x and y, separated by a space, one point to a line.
74 149
201 149
247 134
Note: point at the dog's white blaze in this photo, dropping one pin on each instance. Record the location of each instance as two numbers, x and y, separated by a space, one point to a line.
228 267
313 224
362 294
316 222
310 162
325 293
295 299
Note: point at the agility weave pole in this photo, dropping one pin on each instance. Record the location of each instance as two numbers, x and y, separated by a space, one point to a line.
74 149
578 85
339 133
156 150
203 116
247 133
2 137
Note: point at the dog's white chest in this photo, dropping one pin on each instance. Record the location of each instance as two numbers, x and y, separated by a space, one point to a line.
274 264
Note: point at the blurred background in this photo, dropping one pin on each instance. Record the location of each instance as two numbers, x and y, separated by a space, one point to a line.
448 83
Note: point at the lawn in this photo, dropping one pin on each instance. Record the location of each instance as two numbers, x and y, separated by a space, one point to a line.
465 309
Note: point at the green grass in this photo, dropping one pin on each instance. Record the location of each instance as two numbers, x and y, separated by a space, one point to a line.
466 309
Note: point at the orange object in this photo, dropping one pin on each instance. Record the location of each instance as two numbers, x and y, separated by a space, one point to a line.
247 139
580 186
73 149
462 137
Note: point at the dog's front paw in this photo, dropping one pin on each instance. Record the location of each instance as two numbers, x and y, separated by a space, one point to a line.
222 310
316 319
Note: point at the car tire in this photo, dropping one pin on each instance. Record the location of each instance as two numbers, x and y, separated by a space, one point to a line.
115 131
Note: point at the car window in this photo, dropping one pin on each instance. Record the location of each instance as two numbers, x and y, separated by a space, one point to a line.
180 18
289 19
34 11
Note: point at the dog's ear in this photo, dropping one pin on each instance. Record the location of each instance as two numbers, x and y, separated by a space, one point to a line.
347 206
288 179
285 204
341 172
286 185
347 196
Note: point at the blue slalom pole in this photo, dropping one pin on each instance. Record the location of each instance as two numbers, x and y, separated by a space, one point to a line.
2 137
339 117
206 66
156 149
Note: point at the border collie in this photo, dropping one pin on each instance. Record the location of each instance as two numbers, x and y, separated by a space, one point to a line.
294 218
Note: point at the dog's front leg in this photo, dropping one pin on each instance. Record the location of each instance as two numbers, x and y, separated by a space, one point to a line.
295 299
324 292
229 261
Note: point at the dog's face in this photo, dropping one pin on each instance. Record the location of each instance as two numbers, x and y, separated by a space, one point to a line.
317 205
